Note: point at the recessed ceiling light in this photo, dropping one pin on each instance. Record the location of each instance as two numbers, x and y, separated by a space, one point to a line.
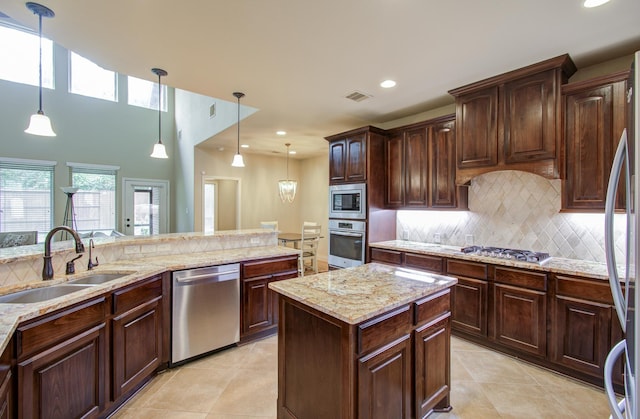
281 132
387 84
594 3
244 146
292 152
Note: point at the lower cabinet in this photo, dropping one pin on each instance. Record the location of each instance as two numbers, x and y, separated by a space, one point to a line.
137 332
258 304
520 307
62 363
7 374
469 300
432 349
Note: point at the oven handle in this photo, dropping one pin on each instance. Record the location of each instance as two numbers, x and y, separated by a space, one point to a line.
344 233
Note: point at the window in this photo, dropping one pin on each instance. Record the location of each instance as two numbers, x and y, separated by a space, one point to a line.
26 196
95 201
20 57
89 79
144 93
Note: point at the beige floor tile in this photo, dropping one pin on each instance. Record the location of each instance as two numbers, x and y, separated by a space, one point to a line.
146 413
249 393
492 367
229 358
191 390
223 416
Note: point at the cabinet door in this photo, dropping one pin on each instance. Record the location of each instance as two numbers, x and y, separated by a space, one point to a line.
443 166
6 395
521 318
582 330
356 158
137 346
590 141
394 155
477 128
416 164
384 382
257 311
432 344
530 118
274 295
65 381
469 306
337 162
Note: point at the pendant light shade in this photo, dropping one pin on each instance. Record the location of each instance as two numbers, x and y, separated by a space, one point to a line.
159 150
287 187
39 124
237 159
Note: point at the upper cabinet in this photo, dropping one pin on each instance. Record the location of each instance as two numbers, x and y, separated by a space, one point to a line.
594 118
420 166
511 121
352 156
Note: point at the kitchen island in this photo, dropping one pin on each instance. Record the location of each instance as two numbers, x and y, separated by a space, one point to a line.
365 342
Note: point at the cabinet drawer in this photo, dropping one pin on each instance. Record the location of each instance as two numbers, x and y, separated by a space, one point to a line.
432 307
269 266
388 256
592 290
137 294
384 329
532 280
427 263
52 328
468 269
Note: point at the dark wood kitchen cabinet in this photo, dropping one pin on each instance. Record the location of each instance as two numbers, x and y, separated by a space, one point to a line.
351 157
512 121
420 166
520 309
258 304
62 363
469 299
581 325
7 409
137 334
594 118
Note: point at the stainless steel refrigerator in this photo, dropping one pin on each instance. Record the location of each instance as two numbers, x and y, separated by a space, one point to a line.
623 272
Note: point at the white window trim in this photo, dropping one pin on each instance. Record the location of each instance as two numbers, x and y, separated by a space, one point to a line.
46 163
92 166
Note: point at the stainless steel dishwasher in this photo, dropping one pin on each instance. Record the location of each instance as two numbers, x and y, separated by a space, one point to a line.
205 310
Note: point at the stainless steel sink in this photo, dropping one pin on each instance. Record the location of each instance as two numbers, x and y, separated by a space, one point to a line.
37 295
99 278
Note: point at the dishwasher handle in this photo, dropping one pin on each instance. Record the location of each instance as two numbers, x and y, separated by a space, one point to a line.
210 277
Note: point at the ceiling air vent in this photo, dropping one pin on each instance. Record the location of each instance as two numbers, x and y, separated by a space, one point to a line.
358 96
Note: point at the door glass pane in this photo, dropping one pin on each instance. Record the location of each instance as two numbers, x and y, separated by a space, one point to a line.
209 208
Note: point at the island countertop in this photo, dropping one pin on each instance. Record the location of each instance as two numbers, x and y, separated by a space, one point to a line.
357 294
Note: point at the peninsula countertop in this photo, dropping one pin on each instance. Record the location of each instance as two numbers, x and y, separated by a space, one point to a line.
357 294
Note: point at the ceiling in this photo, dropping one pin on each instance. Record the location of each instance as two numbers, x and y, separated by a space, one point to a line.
297 60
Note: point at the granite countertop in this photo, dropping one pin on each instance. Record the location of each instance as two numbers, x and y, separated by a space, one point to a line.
136 269
589 269
357 294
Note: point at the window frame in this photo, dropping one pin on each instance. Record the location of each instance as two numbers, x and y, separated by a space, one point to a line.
165 105
47 82
70 73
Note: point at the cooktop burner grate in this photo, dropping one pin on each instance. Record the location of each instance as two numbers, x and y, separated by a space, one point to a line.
509 254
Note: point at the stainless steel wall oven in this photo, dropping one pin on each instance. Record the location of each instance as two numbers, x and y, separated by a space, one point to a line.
347 240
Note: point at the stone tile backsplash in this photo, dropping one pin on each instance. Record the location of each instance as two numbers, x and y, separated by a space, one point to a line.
517 210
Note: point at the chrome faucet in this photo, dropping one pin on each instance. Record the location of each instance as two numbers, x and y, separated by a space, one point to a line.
47 270
92 265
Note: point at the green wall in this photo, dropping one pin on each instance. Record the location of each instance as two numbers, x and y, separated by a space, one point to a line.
88 130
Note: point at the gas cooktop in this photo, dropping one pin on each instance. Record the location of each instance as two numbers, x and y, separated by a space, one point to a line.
509 254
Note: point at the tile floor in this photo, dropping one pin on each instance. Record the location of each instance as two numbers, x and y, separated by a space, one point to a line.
241 383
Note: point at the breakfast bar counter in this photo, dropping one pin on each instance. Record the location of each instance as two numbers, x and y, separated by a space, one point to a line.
371 341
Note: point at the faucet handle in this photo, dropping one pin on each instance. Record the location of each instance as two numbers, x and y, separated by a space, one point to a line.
71 268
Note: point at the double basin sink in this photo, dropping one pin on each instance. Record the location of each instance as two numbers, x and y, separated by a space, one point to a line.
38 295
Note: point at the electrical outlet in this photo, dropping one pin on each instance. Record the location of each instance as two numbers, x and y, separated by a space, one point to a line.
255 240
405 234
437 238
468 239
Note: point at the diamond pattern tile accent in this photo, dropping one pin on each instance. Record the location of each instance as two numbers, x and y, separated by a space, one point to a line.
518 210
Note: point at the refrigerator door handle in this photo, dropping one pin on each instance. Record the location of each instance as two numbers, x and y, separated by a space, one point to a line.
614 178
617 408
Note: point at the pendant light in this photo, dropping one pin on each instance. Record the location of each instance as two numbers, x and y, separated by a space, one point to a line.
287 187
159 151
39 124
237 159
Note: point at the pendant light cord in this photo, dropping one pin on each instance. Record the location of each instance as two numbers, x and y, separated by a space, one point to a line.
40 65
288 161
159 110
238 152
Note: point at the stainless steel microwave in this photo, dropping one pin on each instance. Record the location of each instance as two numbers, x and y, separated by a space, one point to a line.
348 201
